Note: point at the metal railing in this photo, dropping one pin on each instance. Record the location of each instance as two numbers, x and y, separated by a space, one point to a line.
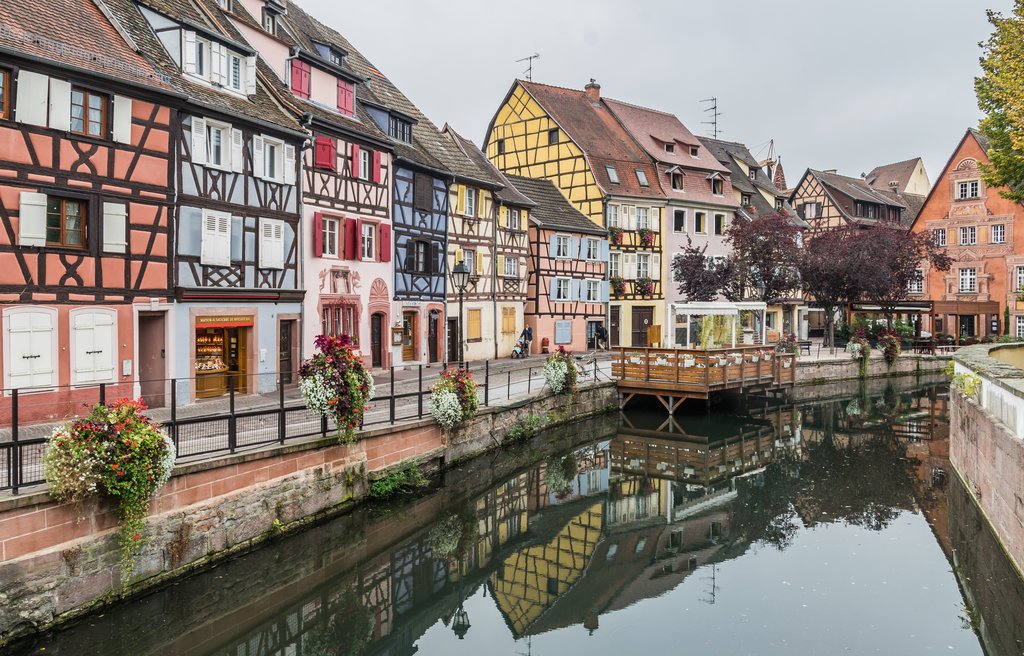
236 421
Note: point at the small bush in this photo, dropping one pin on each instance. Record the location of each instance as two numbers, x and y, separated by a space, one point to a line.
525 428
398 481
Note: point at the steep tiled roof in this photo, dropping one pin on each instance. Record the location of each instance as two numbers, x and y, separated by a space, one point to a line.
899 172
857 189
728 152
552 209
982 139
83 38
507 192
261 106
653 129
593 127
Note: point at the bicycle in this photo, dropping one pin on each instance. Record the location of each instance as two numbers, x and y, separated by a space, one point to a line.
586 366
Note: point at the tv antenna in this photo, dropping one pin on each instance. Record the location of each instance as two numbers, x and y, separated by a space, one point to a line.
713 111
712 593
529 65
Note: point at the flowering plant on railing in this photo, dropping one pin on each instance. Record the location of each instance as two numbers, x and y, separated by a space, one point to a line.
618 286
560 371
787 344
860 349
334 383
889 342
453 398
646 237
115 453
615 235
643 286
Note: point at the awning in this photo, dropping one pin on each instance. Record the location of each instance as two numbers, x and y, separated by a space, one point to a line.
911 307
965 307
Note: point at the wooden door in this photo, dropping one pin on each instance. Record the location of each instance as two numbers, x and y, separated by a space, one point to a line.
408 336
286 361
643 318
153 359
613 329
433 330
376 340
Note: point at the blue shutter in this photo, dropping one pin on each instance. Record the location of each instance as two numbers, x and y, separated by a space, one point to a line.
574 248
579 290
603 250
605 291
552 246
551 291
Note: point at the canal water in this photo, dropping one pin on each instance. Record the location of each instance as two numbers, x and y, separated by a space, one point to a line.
759 528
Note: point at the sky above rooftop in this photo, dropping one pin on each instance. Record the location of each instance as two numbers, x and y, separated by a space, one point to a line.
843 85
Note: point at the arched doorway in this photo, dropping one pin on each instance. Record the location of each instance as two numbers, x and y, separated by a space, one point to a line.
377 323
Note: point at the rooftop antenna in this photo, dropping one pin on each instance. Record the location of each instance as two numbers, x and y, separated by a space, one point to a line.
713 110
529 66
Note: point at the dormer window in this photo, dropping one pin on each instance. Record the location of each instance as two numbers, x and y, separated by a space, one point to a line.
336 58
224 4
694 151
753 174
269 22
717 186
400 129
677 181
217 64
670 148
745 200
613 174
641 177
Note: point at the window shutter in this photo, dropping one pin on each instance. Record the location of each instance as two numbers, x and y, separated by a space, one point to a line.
460 255
376 167
188 60
60 104
122 132
258 165
289 164
551 292
237 158
216 63
250 75
216 248
271 244
345 98
605 291
574 247
385 242
502 217
326 156
501 266
115 226
355 160
553 246
629 266
94 346
603 250
318 234
655 273
32 219
31 350
33 91
198 140
656 219
436 259
351 240
479 263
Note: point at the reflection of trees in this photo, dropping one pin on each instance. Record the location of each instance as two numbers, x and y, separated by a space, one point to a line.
344 629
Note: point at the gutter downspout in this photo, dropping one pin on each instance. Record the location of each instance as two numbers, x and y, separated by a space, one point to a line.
495 214
608 283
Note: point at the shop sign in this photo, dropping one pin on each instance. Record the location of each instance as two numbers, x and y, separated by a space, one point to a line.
229 321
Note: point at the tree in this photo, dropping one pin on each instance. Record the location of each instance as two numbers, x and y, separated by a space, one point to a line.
829 268
764 258
896 255
700 278
1000 92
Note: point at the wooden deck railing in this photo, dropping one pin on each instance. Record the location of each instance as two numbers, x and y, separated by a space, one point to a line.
702 371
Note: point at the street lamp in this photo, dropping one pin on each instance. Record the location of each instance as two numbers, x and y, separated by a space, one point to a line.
460 278
460 622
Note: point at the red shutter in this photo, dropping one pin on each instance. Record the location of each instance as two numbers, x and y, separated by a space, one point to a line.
385 243
318 234
326 153
345 98
300 78
355 161
351 239
376 167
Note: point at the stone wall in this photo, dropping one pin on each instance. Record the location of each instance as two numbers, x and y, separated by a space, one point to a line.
58 561
823 372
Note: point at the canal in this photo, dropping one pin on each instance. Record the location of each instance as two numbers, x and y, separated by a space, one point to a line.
761 528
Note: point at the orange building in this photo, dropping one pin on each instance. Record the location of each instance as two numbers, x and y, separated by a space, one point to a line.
979 227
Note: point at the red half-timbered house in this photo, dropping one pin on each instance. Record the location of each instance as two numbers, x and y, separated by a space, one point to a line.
567 285
86 206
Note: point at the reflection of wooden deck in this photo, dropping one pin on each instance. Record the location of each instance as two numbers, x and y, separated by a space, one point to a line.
674 375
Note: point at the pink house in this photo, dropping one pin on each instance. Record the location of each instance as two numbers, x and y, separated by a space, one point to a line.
567 275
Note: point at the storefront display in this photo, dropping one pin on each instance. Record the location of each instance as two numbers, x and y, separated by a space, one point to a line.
221 346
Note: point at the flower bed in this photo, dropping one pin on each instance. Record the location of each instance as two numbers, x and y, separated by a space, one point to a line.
453 398
560 372
334 383
115 453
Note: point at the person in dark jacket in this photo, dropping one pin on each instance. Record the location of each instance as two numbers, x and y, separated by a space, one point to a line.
601 337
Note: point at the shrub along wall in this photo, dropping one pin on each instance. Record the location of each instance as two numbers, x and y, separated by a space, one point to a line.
57 561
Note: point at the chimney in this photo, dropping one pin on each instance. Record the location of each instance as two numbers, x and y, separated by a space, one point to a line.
894 187
593 91
832 171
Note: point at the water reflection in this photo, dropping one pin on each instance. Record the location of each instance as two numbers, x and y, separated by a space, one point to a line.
806 518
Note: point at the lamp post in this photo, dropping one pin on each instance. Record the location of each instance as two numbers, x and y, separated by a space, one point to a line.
460 278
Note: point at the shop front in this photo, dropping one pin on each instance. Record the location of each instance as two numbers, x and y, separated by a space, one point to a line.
966 320
222 345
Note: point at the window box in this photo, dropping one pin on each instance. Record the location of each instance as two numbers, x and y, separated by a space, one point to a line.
646 237
615 234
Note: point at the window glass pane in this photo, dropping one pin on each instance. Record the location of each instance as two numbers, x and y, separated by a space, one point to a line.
53 220
73 223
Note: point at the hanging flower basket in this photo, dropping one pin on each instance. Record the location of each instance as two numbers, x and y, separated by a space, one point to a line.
615 235
646 237
889 342
453 398
115 453
334 383
560 372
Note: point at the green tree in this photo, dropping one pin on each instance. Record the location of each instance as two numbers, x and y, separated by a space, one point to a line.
1000 92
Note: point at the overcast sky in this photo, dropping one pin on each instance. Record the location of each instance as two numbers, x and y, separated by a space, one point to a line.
837 84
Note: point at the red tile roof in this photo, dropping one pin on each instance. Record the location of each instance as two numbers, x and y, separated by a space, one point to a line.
594 128
653 129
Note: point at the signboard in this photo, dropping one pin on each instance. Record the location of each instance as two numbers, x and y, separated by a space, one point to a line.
228 321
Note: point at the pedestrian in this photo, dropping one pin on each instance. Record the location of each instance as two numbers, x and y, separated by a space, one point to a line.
527 337
601 335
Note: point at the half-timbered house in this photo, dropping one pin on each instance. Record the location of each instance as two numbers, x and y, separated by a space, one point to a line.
346 184
567 282
236 279
86 202
827 200
573 139
488 233
980 230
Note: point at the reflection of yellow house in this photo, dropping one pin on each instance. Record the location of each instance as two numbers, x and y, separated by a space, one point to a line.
532 579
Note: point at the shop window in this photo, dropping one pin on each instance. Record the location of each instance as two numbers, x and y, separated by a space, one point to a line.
473 328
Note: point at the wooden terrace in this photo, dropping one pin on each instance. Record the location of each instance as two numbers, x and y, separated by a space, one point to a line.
674 375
